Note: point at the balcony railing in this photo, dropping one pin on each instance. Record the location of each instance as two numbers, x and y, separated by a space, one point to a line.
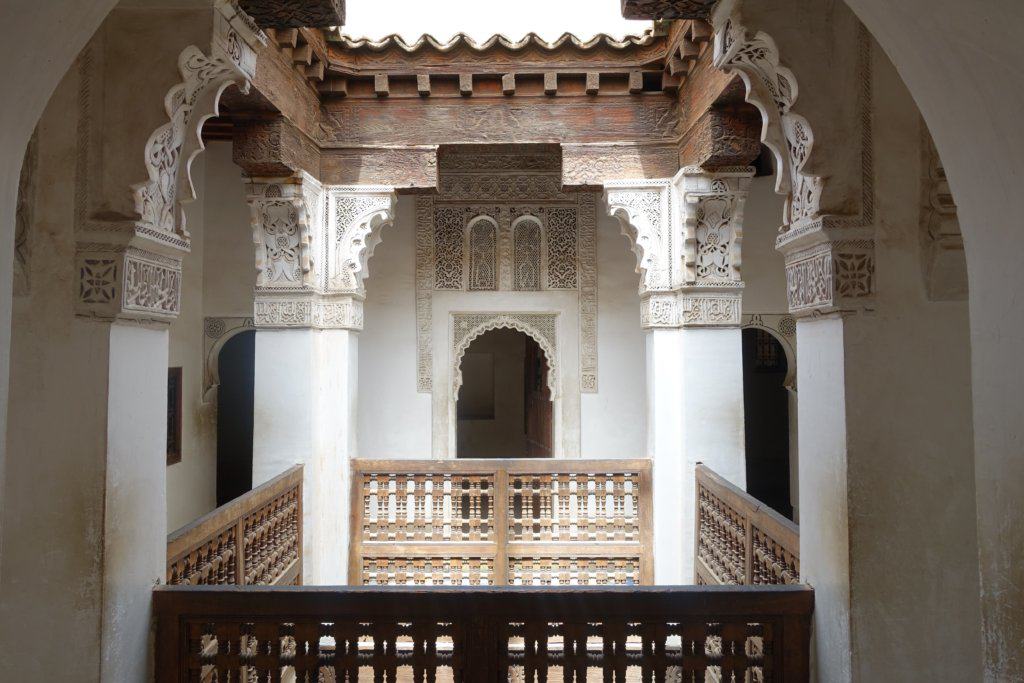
478 635
501 522
255 539
741 541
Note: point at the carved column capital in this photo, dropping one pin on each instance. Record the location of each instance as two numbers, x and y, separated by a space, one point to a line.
829 271
123 282
312 246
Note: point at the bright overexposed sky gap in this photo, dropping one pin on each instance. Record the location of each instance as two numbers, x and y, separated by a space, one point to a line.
483 18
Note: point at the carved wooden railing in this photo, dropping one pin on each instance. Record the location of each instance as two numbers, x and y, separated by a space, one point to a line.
741 541
482 635
255 539
501 522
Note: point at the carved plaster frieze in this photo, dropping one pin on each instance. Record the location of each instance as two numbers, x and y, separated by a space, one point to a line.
310 312
541 327
126 283
670 310
540 246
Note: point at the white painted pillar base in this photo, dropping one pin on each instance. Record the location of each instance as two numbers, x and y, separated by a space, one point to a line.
305 402
695 415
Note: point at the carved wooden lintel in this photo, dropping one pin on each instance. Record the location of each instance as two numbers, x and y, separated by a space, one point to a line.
408 168
295 13
590 166
274 148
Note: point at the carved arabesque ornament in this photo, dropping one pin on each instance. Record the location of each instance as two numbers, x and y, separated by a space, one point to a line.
131 270
544 241
829 259
687 234
313 244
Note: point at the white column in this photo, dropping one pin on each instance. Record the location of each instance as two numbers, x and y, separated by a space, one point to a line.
304 397
309 309
686 233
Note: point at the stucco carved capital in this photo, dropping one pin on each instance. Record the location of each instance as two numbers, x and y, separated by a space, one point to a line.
123 282
712 211
829 270
286 216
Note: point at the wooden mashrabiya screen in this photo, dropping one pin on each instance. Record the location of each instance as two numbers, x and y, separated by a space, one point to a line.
585 634
740 540
256 539
501 522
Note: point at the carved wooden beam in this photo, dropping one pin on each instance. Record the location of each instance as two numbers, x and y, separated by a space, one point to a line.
725 136
279 14
591 166
407 169
668 9
274 148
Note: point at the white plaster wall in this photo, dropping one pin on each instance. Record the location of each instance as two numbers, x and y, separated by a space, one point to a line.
764 268
393 418
192 483
614 419
218 277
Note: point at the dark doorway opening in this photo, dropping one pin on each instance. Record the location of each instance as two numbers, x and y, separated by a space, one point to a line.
766 422
504 408
237 371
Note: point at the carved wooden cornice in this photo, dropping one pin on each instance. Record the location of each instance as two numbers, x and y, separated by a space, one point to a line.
295 13
668 9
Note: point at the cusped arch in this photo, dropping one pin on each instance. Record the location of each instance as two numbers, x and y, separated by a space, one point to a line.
173 146
509 322
360 215
642 209
772 88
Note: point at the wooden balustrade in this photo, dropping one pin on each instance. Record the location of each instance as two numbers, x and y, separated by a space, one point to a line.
501 522
741 541
477 635
255 539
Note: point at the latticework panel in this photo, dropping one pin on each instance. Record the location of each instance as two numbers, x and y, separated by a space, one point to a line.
471 635
574 507
401 507
722 538
213 562
501 522
254 539
773 563
428 571
574 571
741 541
272 539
